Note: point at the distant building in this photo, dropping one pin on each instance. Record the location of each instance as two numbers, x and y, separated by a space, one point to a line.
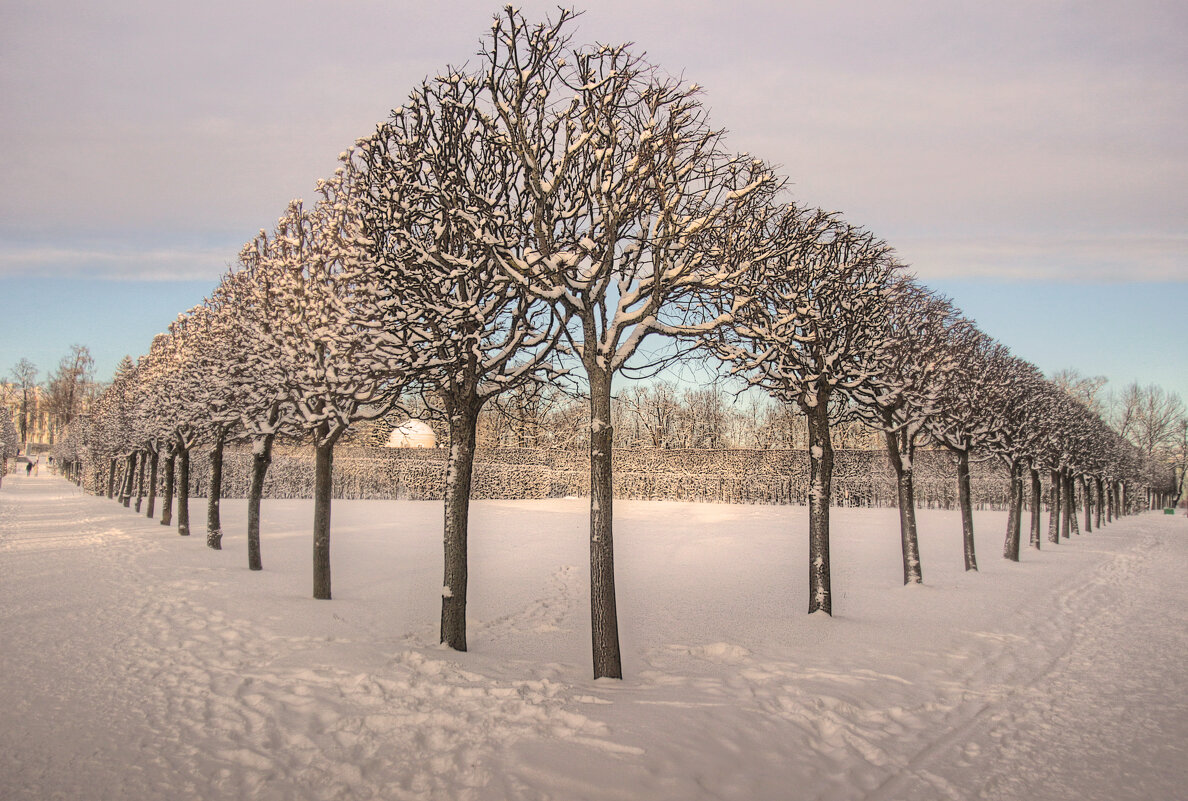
37 421
412 434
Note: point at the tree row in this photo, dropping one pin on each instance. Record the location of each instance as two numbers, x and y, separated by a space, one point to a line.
566 214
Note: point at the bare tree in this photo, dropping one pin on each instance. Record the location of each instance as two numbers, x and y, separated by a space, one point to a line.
66 388
522 417
905 392
635 210
329 309
257 375
655 409
1124 409
1017 399
156 404
441 207
807 332
702 419
968 411
183 417
147 427
1156 420
24 375
1086 390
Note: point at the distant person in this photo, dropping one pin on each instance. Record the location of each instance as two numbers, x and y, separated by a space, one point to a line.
28 468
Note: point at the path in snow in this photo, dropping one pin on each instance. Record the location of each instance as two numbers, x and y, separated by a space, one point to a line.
136 664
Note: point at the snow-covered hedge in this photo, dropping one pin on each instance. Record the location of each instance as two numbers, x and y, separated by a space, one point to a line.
861 478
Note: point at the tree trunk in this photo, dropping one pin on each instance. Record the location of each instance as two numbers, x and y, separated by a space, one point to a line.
129 480
183 491
1037 502
604 615
154 462
820 492
140 481
965 500
323 485
1054 509
1100 502
261 459
459 471
908 540
214 523
167 498
1067 503
111 471
1010 548
1070 488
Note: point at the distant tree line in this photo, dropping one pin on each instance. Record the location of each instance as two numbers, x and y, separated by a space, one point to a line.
560 215
41 410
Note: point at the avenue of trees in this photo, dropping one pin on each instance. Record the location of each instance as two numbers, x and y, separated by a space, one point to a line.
557 216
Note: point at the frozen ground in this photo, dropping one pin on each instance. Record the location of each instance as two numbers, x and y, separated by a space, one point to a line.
136 664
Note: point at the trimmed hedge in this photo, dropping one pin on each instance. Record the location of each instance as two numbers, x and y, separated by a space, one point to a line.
861 478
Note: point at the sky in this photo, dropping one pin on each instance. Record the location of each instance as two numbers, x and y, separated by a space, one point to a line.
1028 158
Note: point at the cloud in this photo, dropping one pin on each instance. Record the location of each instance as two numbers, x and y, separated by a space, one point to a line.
972 136
1073 259
117 264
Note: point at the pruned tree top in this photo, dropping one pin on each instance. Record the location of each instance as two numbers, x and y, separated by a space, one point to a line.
633 203
807 320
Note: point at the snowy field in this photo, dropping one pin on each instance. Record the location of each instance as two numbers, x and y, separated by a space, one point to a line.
136 664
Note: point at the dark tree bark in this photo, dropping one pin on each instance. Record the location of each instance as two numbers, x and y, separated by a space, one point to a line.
1070 506
129 480
604 616
167 498
1037 502
463 420
323 487
1054 508
965 500
1087 496
140 481
214 523
154 463
1066 502
1010 548
820 492
908 539
1097 507
183 491
111 477
261 459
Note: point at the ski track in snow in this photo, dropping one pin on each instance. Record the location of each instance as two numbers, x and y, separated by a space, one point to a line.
138 665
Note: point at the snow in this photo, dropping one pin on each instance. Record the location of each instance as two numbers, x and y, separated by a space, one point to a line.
137 664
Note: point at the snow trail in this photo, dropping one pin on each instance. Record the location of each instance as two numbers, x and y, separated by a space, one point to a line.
140 665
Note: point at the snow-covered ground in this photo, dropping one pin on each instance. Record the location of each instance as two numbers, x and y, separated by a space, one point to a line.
136 664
